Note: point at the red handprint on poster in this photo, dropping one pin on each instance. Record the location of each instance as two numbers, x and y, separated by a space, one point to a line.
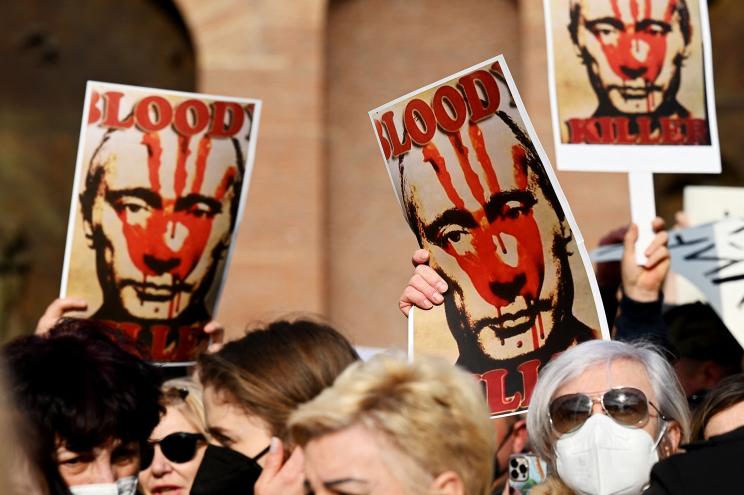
480 199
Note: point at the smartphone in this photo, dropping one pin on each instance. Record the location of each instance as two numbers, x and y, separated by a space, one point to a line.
526 471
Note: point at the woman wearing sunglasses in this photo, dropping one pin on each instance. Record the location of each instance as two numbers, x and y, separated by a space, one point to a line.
602 414
172 455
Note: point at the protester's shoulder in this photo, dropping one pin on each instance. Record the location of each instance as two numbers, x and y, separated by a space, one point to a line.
690 472
732 439
551 486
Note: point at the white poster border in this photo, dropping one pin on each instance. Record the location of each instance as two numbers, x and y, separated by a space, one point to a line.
637 158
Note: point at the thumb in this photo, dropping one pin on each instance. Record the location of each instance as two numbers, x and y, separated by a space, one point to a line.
275 458
420 257
631 236
296 463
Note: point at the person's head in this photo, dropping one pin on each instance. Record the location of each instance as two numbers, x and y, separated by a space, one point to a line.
159 210
253 384
721 411
704 348
176 446
24 468
391 427
603 412
633 50
511 438
91 400
481 202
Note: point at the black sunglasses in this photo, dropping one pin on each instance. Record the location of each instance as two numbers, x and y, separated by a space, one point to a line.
177 447
627 406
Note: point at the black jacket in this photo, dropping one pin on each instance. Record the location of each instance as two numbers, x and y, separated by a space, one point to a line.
713 466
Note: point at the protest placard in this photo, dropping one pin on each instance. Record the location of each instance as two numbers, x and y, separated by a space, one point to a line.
706 204
710 257
631 85
479 194
159 189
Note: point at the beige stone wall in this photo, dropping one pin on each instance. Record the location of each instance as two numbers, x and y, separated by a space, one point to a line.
599 201
322 231
273 51
377 51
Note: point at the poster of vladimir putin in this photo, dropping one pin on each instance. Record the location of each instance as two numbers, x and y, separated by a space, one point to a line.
631 85
159 189
479 194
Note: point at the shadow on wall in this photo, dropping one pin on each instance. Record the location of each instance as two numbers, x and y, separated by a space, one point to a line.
47 52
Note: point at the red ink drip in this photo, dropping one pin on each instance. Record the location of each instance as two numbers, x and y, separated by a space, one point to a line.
476 139
535 342
225 183
154 153
634 10
671 7
650 100
170 308
144 282
177 301
470 176
179 182
540 323
431 154
519 158
205 145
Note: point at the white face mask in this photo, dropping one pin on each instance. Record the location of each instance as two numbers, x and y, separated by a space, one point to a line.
123 486
605 458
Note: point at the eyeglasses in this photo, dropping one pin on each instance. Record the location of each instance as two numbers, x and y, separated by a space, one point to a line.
177 447
627 406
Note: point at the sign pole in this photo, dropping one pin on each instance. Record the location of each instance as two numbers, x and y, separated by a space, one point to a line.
642 210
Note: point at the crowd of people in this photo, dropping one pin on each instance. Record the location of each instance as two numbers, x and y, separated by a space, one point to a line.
290 408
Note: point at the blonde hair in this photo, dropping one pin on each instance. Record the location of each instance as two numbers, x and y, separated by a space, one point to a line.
431 413
185 396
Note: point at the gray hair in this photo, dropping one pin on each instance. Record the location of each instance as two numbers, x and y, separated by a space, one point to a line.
575 361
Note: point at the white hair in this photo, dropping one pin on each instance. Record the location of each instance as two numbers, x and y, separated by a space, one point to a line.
573 362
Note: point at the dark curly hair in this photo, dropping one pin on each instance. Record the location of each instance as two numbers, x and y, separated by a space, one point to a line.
81 385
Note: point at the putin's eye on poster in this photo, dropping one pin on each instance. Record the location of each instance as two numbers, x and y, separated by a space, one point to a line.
632 76
160 184
479 194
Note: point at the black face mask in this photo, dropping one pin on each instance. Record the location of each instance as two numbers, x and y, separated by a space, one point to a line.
225 471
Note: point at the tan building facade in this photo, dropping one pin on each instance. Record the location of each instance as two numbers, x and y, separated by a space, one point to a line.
322 231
